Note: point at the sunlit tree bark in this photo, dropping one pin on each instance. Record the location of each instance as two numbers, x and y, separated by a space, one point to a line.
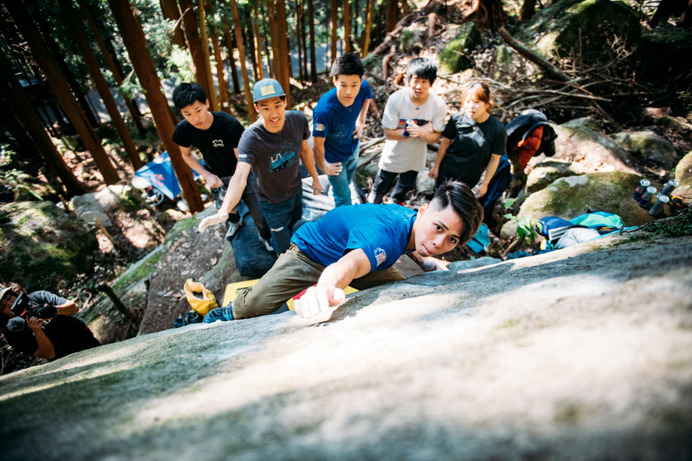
41 53
195 44
170 11
30 121
241 55
335 28
311 27
144 67
114 68
100 82
347 26
204 42
231 58
368 27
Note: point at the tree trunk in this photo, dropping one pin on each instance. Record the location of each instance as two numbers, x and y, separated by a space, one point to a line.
241 55
249 38
213 100
268 49
347 26
258 45
195 45
112 65
528 9
170 11
299 42
311 26
40 52
285 55
28 117
274 35
392 12
77 89
133 38
304 40
100 82
368 27
224 97
335 28
231 59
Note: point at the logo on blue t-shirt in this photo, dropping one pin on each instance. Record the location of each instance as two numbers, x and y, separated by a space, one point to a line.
319 127
380 255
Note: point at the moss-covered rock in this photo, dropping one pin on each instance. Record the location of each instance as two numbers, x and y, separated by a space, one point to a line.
683 174
666 53
546 172
650 146
586 28
454 58
581 141
571 196
42 245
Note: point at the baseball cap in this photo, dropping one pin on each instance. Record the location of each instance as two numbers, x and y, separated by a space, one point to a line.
267 88
3 291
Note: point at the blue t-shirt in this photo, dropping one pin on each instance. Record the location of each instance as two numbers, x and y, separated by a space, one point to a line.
335 122
381 231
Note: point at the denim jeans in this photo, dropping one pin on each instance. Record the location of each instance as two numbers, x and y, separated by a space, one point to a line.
341 182
281 218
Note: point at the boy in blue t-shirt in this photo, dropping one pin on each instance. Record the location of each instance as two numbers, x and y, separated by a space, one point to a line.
357 245
338 121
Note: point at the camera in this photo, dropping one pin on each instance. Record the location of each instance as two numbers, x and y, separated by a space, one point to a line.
22 307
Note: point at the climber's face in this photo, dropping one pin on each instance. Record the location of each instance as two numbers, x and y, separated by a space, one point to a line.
436 231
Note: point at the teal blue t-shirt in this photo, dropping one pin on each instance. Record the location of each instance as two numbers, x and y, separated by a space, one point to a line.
381 231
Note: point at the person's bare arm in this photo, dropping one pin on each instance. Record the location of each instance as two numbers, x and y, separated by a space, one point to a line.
330 169
489 173
70 307
308 160
320 301
441 152
193 162
236 186
360 123
45 348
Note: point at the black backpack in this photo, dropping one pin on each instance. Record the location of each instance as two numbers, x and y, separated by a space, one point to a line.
523 125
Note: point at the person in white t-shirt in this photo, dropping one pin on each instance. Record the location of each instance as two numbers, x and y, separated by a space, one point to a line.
413 117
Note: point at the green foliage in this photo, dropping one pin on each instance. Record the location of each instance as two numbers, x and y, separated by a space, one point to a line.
526 227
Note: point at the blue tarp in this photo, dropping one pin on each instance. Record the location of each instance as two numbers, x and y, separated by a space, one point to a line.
160 175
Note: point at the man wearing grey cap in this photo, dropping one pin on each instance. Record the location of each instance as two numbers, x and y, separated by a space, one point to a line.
272 148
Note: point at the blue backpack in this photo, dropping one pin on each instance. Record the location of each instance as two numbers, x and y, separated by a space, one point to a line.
553 227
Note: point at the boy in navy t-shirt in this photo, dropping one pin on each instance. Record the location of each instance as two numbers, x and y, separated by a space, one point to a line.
357 245
338 121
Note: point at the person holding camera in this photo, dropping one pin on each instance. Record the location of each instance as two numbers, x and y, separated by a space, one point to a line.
40 323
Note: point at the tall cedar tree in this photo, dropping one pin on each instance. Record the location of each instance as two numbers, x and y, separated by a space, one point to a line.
241 55
204 42
194 43
76 28
112 66
29 120
51 70
146 73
